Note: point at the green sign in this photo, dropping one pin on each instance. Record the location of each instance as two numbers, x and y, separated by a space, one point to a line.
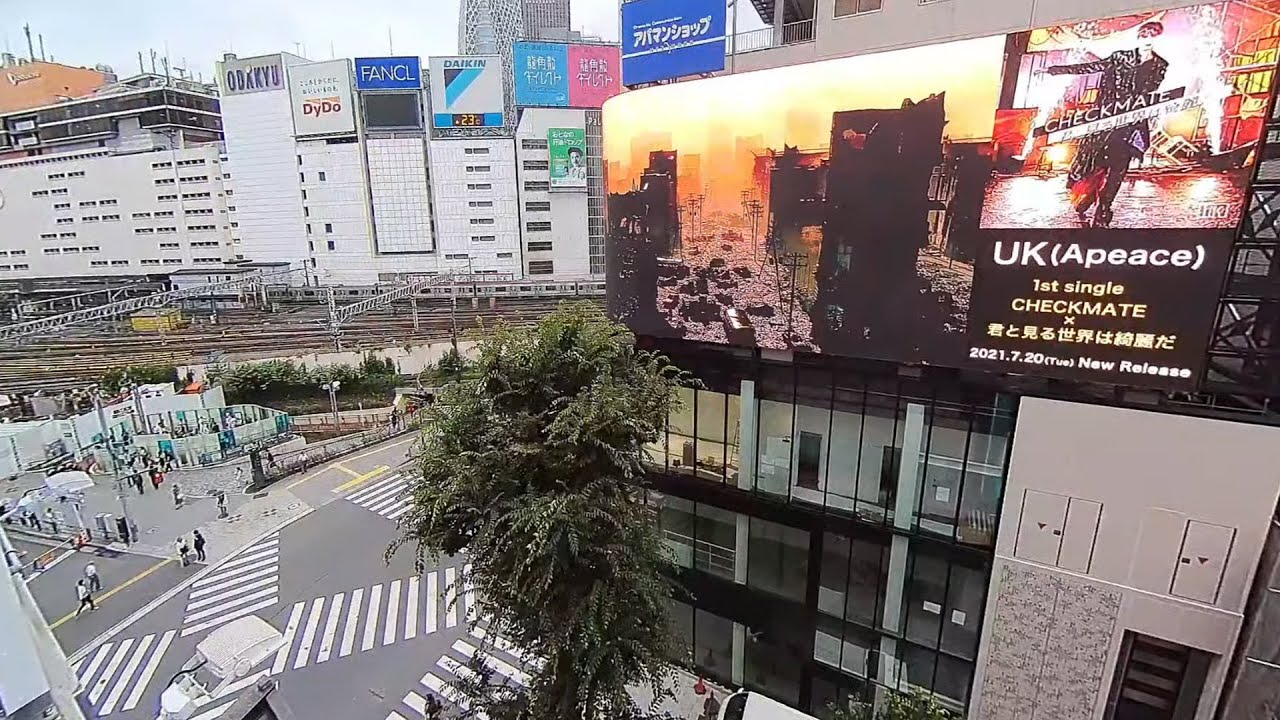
568 153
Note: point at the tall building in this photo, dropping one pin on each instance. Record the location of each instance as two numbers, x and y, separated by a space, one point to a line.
852 516
27 84
546 19
489 27
124 182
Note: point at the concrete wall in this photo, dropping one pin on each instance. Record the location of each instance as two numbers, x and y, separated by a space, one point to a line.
473 187
1118 520
1253 691
568 215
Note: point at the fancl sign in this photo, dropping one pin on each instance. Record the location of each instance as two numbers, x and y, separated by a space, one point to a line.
388 73
239 77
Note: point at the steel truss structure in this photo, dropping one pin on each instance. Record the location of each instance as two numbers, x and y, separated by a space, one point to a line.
339 316
123 307
1244 351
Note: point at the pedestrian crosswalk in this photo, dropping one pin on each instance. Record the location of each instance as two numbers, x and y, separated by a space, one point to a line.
388 497
242 585
362 619
116 675
508 663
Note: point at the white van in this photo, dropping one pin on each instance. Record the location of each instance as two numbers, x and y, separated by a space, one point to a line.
745 705
224 663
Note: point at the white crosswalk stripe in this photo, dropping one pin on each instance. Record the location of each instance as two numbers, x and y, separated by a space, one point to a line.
388 497
121 671
241 585
364 619
508 663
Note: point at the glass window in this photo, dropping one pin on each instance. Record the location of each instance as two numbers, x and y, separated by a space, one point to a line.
682 627
984 470
925 598
777 413
846 647
713 644
677 520
778 558
813 436
717 540
774 658
681 448
857 7
853 578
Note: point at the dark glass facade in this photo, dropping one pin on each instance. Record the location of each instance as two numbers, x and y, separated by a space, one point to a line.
833 525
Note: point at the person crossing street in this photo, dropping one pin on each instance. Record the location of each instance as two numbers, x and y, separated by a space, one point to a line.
91 576
85 595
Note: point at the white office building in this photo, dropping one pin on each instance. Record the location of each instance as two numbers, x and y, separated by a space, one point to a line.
125 182
557 225
473 183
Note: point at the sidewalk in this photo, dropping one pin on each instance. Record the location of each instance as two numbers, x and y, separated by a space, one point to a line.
159 523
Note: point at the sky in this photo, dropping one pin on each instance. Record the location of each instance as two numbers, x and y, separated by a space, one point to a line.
87 32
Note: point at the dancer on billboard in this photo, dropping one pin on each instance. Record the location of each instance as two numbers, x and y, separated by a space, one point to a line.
1103 158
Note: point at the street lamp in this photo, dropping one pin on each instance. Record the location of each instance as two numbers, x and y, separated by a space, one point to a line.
116 462
332 386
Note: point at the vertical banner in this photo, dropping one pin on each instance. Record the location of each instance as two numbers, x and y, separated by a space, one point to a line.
567 149
541 74
593 74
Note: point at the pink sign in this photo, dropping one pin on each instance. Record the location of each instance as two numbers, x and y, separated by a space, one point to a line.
593 74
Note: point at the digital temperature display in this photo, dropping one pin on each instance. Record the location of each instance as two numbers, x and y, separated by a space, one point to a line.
468 120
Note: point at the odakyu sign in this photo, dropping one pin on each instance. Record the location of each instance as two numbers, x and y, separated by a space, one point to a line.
250 75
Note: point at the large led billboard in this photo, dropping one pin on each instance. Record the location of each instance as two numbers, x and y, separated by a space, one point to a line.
466 92
664 39
321 97
565 75
1059 202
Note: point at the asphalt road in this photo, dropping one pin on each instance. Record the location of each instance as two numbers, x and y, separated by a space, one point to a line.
364 638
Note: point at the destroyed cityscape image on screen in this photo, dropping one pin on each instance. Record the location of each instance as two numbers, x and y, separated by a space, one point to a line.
842 206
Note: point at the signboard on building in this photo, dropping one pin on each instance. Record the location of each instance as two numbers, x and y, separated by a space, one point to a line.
321 97
1060 202
388 73
664 39
466 91
564 75
250 75
567 151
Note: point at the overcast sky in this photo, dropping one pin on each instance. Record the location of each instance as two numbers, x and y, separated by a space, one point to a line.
86 32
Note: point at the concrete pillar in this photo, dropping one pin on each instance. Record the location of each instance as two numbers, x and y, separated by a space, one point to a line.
904 507
740 548
779 19
748 416
739 653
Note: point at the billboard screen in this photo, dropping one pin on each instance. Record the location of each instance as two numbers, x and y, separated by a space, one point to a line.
664 39
321 97
563 75
567 150
1069 214
388 73
466 91
250 75
392 110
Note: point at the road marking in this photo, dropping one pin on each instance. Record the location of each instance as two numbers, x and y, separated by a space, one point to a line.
126 675
96 661
110 670
468 593
431 604
361 479
330 629
290 629
393 612
349 629
411 610
312 476
345 469
255 565
197 604
148 670
498 665
371 619
234 602
246 610
450 598
376 490
377 450
107 595
309 635
201 592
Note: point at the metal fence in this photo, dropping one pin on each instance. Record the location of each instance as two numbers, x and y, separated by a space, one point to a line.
277 467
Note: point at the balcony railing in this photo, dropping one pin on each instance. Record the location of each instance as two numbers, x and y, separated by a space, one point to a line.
765 38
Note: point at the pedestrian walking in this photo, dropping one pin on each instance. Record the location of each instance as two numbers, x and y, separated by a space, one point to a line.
177 496
85 596
91 575
183 550
434 708
34 519
156 478
138 483
197 542
52 520
239 478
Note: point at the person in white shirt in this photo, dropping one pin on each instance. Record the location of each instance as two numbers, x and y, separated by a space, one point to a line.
91 575
85 596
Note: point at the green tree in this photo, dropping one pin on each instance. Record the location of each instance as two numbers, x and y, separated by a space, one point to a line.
115 379
532 466
916 705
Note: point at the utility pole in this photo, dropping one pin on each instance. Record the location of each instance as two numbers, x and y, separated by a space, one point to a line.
413 304
793 261
121 495
332 386
755 209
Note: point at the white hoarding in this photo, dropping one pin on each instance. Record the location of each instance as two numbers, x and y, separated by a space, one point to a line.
321 97
466 92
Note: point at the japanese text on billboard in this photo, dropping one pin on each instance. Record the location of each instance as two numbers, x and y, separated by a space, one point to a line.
567 151
1070 214
663 39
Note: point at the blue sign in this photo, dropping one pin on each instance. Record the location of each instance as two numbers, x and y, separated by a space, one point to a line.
664 39
388 73
542 74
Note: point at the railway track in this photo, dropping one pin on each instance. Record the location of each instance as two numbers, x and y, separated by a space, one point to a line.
79 359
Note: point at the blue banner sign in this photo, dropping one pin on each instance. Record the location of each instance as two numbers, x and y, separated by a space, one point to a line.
541 74
388 73
664 39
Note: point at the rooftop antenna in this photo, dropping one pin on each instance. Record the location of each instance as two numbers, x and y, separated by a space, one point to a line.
153 62
31 51
141 68
41 36
332 54
390 49
297 48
